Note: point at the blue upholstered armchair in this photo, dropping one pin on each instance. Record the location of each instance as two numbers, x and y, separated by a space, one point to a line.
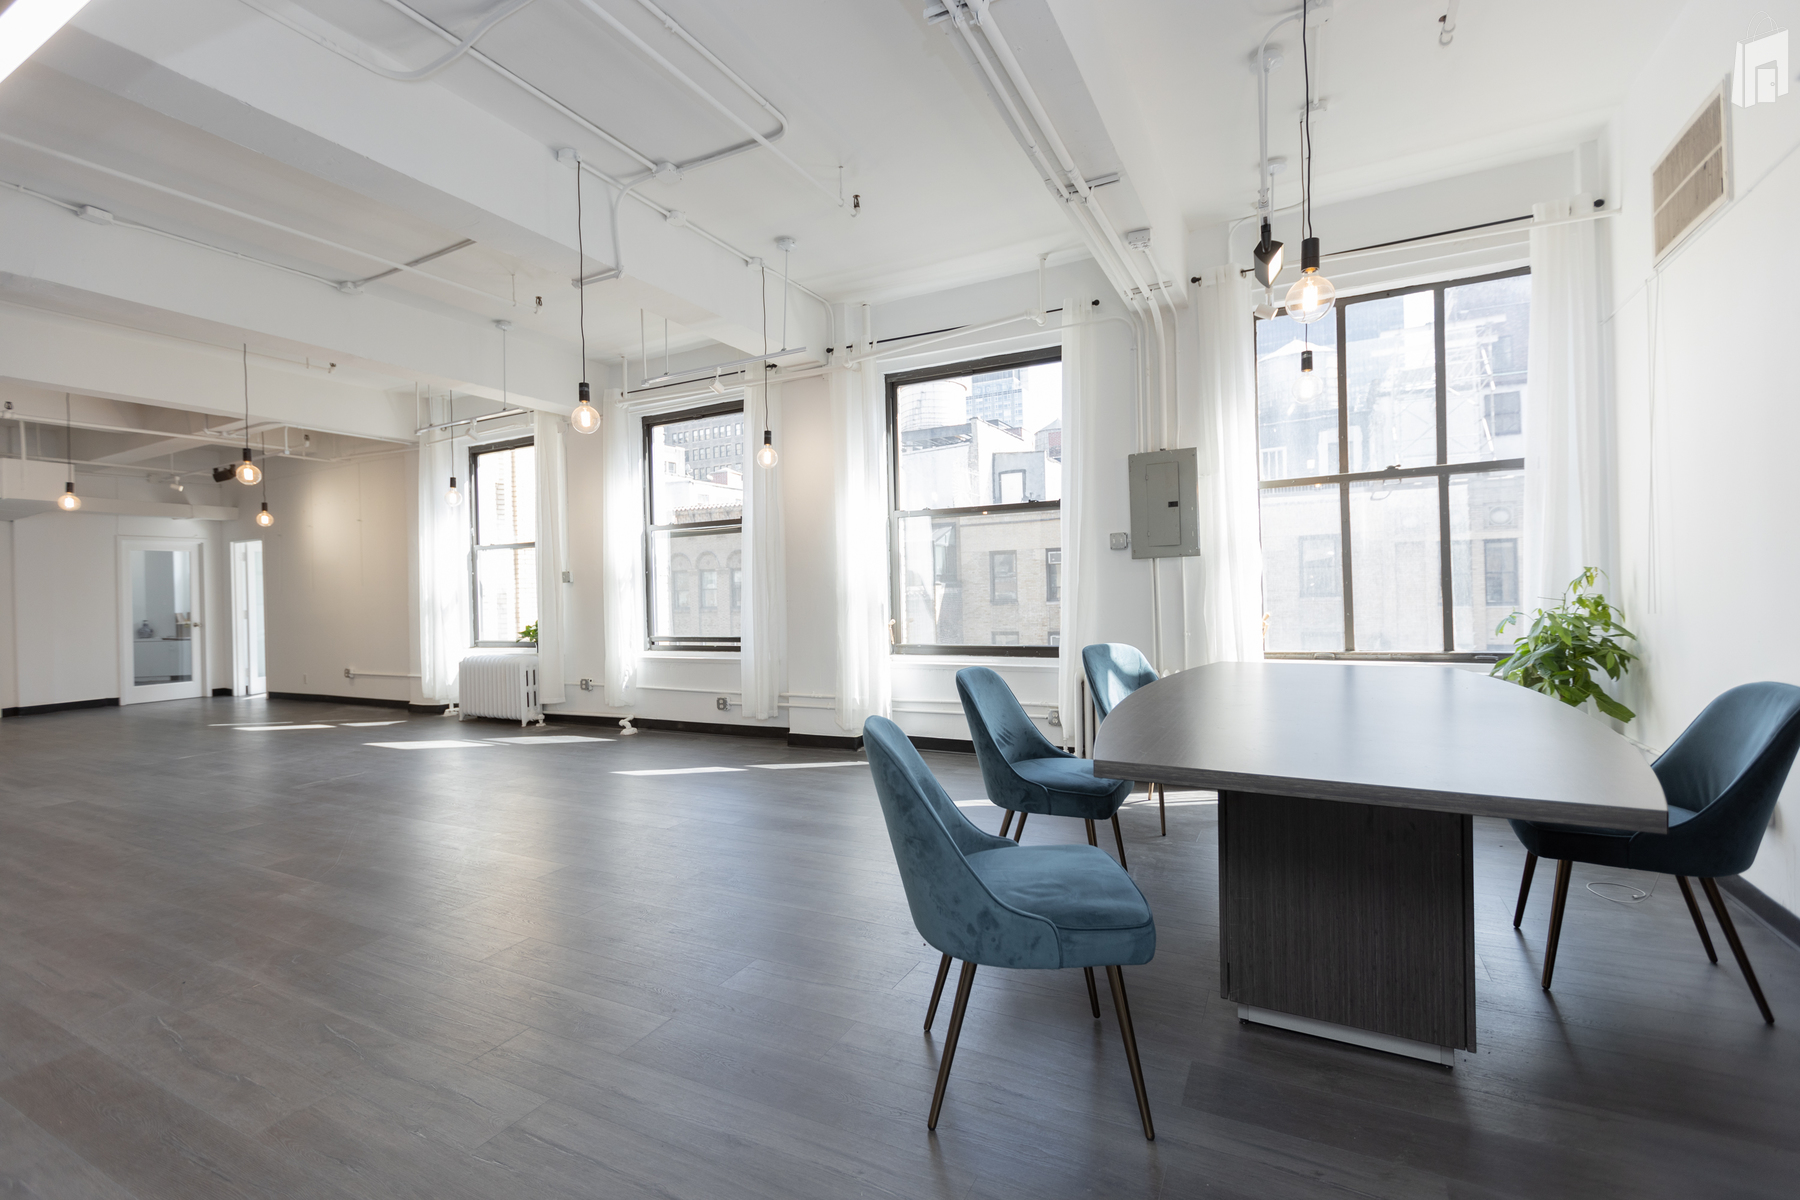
990 902
1023 772
1721 778
1115 670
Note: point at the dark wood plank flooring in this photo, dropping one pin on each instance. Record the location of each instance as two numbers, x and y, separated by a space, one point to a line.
287 963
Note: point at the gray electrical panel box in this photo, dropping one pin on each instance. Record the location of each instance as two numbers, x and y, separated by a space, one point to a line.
1165 504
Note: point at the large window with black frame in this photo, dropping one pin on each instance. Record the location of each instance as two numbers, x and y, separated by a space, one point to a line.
1392 476
976 506
503 574
694 521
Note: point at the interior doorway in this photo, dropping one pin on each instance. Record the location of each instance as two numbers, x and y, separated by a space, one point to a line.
161 602
249 668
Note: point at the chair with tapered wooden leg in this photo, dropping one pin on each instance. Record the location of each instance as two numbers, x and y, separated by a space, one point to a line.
987 901
1114 670
1023 772
1722 777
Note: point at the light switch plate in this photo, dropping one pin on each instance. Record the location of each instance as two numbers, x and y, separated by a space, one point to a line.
1165 504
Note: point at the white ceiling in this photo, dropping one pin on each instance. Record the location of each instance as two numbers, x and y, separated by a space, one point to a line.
869 88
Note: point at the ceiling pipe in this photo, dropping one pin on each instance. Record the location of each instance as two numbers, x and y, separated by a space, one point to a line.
251 217
493 18
713 101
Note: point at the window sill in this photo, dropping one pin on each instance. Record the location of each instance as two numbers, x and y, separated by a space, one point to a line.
693 655
1480 657
1047 662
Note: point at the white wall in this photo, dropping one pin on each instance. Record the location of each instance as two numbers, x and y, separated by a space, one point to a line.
9 677
338 576
1710 567
65 625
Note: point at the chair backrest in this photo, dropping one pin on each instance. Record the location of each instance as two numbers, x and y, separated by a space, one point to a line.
1114 671
953 909
998 726
1730 764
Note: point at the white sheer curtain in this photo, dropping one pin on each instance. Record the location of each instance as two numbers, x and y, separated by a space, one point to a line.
552 552
859 436
1080 416
763 654
1568 423
1224 585
443 571
623 550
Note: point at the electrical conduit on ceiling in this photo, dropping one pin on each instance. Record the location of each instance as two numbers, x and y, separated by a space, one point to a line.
251 217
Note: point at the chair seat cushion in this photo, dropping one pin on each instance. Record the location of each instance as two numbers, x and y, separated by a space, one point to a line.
1582 843
1069 788
1101 918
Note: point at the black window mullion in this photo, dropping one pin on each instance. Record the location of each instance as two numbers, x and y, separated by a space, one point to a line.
1345 557
1446 584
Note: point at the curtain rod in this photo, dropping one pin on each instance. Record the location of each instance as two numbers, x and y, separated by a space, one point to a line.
1445 233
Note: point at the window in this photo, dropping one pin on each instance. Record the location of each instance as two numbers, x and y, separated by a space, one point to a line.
1003 576
976 494
503 479
1502 571
1389 499
693 540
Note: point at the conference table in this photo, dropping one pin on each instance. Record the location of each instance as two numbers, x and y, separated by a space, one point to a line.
1347 798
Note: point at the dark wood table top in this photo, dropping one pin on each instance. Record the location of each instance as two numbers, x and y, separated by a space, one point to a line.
1412 735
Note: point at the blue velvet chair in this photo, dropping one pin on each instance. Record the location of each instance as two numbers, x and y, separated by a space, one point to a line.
1115 670
990 902
1722 778
1024 773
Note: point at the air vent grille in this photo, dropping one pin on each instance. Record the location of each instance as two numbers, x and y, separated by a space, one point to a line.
1694 177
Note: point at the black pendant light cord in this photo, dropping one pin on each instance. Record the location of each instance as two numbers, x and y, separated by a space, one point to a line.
1306 124
580 270
765 331
68 436
246 399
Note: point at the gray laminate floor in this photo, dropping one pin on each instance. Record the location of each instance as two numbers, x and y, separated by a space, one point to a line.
284 962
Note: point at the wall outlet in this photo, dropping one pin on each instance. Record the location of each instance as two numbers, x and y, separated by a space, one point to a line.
1055 717
723 704
1119 541
587 685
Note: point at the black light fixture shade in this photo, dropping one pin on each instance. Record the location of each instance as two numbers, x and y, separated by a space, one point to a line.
1309 255
1306 362
221 474
1268 256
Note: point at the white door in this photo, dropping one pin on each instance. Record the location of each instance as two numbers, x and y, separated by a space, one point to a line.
250 672
161 598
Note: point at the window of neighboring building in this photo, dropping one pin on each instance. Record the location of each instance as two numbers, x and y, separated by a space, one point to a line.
503 578
1388 499
693 540
976 498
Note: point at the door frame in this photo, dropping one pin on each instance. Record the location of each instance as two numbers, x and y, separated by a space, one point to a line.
244 681
131 692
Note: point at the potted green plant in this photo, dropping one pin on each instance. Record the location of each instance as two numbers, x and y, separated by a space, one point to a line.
1568 644
529 633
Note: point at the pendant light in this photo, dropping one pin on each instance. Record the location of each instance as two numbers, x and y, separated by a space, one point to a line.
68 501
248 473
766 456
265 518
452 497
1312 295
1310 384
585 418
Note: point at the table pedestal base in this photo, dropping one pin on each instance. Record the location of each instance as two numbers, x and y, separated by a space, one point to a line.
1353 917
1406 1047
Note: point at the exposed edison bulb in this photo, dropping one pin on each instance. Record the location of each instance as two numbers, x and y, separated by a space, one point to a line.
1310 298
452 497
1310 384
68 501
265 518
765 454
585 417
247 471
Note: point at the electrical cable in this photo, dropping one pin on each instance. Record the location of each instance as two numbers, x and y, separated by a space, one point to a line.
1638 895
1306 127
415 76
580 266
